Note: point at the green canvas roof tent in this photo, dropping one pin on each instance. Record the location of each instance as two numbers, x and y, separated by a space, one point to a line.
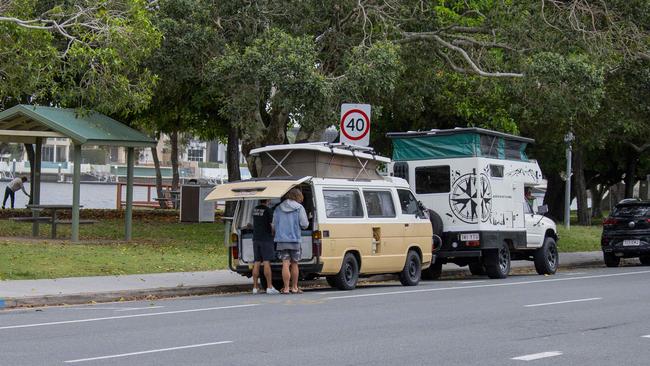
31 124
458 143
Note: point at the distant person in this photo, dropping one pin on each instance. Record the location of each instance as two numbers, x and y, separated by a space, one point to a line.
288 220
15 185
263 246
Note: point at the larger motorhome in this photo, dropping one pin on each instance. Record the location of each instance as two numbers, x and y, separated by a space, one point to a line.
360 223
474 181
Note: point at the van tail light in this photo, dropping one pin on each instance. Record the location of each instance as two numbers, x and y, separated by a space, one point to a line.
235 252
316 243
234 245
648 221
473 243
610 221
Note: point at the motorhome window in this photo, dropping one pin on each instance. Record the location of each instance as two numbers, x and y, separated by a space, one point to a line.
489 146
513 150
496 171
432 179
342 203
408 202
379 203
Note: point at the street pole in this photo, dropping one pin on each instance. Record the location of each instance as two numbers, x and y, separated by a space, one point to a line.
567 191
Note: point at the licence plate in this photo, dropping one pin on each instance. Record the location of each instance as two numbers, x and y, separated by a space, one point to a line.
631 243
469 237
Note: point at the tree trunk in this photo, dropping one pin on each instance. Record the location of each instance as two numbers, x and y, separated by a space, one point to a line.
159 188
584 218
232 164
173 140
630 172
32 163
554 197
597 193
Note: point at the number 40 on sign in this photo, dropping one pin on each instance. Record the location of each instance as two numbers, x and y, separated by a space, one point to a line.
355 124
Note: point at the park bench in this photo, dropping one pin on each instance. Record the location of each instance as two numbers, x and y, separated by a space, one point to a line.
54 223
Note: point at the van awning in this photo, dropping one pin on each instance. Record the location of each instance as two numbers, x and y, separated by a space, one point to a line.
254 189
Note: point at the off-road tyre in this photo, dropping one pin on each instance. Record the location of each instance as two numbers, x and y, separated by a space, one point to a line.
348 276
410 275
497 262
611 260
433 272
547 258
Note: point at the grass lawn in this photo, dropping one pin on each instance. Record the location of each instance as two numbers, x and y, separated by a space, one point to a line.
157 246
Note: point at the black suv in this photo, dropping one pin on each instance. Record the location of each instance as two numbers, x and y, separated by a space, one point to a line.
626 233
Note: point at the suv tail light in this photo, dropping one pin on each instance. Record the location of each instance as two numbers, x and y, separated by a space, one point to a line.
316 243
610 221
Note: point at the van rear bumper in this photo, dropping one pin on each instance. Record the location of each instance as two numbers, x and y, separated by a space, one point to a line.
305 268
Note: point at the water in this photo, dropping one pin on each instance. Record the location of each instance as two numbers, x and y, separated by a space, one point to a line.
92 195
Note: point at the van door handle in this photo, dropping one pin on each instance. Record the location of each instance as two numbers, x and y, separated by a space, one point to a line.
406 225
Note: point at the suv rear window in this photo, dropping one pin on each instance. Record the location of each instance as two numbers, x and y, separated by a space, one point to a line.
632 211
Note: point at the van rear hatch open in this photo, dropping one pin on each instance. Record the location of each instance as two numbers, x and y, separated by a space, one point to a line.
255 189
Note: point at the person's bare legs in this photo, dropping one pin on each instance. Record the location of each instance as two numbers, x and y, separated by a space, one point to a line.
294 276
286 275
267 274
256 274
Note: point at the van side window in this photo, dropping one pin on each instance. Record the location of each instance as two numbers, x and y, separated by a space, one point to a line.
496 171
379 203
489 146
408 202
432 179
513 150
342 203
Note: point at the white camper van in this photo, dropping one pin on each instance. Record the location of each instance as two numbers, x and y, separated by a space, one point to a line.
360 223
474 182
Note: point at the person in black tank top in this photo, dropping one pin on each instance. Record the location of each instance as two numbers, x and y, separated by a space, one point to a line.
263 246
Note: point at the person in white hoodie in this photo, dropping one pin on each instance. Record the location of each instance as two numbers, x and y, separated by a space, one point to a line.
288 220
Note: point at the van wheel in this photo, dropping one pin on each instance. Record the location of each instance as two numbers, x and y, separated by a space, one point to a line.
497 262
611 260
410 275
348 276
645 260
547 258
477 268
433 272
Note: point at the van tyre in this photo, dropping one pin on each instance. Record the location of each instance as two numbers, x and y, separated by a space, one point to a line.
348 276
477 268
611 260
497 262
547 258
410 275
433 272
645 260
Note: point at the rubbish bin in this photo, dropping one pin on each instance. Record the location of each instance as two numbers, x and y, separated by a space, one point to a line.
193 206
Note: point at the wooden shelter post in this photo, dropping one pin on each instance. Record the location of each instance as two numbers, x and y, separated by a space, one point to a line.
128 215
76 190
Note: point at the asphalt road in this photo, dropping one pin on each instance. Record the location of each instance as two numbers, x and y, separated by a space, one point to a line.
583 317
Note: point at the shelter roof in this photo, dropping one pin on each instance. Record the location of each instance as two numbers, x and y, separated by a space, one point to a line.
24 123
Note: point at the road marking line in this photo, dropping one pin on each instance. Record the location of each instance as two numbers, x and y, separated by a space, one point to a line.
145 352
142 308
562 302
474 281
537 356
126 316
646 336
482 286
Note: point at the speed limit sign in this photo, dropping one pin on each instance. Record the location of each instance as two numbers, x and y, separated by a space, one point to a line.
355 124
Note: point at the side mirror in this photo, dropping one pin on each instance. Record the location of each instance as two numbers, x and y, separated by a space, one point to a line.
543 209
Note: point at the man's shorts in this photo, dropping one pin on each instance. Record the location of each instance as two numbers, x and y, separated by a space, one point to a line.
263 250
289 254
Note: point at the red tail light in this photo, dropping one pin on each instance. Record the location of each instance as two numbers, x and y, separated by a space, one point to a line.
610 221
473 243
316 243
235 252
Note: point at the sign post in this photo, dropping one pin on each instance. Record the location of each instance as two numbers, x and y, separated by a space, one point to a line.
355 124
